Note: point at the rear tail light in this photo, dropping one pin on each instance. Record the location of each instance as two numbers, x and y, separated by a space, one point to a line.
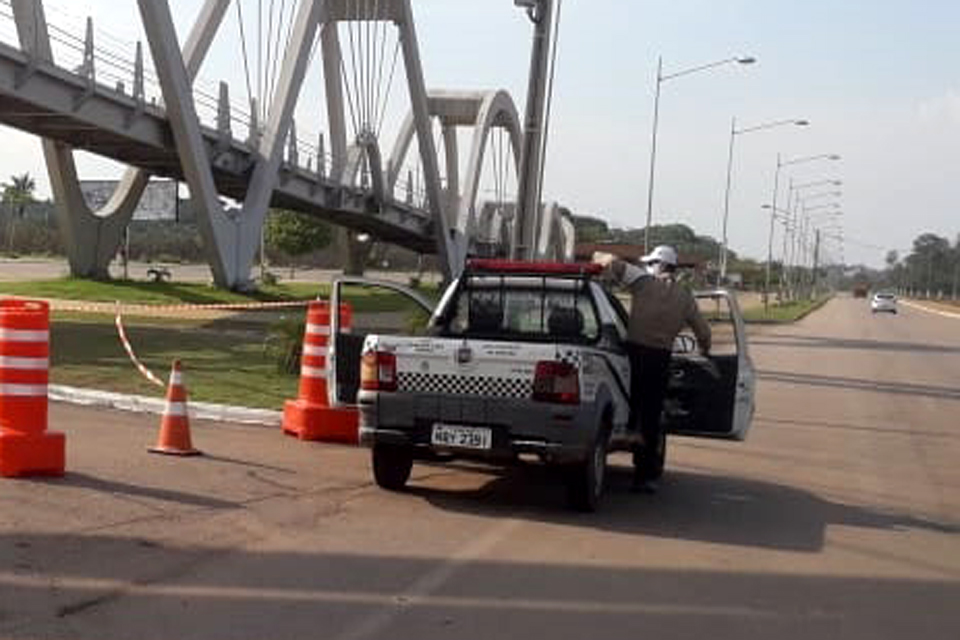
378 371
557 382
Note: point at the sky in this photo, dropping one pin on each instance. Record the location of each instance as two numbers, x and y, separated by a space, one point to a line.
878 80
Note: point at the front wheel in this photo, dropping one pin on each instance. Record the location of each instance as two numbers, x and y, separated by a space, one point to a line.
391 466
586 480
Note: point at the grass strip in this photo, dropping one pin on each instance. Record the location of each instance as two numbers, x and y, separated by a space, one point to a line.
173 293
220 364
784 313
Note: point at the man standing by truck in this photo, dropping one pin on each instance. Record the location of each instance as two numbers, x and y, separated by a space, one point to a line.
660 308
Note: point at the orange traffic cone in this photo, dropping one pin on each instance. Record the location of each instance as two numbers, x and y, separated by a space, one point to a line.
311 416
174 437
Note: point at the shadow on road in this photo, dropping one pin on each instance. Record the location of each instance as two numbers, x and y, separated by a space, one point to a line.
115 588
859 384
691 505
85 481
792 341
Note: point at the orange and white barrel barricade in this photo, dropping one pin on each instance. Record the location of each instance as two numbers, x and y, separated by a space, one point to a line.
26 447
311 416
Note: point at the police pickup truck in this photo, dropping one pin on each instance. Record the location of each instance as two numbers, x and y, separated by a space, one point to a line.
525 360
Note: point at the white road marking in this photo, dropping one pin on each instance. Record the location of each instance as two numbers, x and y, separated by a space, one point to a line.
418 595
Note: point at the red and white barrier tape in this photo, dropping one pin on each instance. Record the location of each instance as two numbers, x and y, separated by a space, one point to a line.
65 305
133 357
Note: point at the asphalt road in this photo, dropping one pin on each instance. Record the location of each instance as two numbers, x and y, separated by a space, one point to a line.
838 518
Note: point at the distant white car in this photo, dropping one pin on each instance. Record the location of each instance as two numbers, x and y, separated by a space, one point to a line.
883 302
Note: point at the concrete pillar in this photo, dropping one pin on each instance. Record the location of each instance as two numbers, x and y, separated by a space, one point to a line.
450 255
92 238
232 238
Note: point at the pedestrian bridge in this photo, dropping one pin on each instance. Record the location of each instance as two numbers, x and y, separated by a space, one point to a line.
425 190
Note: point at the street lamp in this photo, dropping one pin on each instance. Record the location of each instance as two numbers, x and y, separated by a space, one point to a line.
776 185
535 124
734 132
828 211
661 78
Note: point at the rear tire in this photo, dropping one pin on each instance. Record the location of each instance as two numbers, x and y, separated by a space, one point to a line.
587 480
391 466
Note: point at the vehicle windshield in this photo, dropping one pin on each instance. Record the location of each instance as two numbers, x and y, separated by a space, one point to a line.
884 296
537 309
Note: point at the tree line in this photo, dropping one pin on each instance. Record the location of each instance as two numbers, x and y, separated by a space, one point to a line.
931 269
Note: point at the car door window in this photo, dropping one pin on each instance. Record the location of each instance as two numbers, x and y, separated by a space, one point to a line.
717 312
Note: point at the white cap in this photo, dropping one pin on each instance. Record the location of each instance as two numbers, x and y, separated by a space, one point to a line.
664 253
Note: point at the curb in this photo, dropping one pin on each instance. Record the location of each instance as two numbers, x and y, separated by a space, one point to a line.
145 404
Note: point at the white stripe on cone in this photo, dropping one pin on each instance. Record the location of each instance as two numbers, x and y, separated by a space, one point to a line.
24 335
176 378
313 372
317 329
176 409
24 364
24 390
314 350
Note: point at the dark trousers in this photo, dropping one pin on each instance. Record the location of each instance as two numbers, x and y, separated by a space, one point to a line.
649 374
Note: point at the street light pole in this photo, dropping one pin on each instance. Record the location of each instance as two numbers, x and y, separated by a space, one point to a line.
816 267
653 156
661 78
726 204
773 212
734 132
784 275
540 13
805 256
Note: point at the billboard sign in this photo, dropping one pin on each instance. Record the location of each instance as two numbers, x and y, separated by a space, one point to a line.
159 200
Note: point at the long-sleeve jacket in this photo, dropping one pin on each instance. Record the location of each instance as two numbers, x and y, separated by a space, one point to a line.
660 308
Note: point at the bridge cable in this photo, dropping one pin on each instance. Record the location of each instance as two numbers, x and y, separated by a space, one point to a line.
355 106
368 64
282 49
266 66
381 29
275 53
246 61
389 88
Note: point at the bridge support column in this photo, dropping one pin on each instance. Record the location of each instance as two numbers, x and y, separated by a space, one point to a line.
451 250
92 238
232 238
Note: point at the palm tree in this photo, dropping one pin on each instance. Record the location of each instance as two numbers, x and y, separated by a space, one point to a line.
18 194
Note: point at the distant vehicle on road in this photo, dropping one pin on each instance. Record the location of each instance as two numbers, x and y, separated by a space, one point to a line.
860 290
883 302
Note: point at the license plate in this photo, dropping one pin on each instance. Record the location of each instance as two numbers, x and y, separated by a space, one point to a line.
461 437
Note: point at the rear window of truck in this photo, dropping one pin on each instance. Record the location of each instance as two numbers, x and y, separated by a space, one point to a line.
522 308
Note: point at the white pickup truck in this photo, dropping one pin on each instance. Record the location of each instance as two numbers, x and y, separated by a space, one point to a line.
526 360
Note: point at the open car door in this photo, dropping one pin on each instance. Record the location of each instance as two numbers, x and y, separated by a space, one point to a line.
380 307
714 396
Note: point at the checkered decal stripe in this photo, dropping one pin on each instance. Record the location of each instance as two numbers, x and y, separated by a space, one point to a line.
465 385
